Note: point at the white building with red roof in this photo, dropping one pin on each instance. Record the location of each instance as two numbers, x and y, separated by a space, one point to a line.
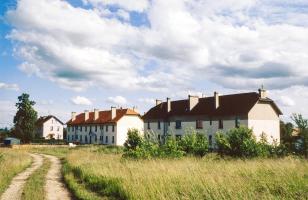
103 127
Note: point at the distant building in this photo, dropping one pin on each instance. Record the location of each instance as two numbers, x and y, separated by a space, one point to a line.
11 141
103 127
49 127
215 113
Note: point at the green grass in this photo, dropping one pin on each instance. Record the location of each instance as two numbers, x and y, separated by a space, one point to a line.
108 175
12 162
60 152
34 187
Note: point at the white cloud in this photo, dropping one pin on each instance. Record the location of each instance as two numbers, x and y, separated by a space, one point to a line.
79 100
7 110
149 101
286 101
8 86
131 5
118 100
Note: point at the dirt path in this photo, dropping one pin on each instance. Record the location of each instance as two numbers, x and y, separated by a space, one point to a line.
54 188
16 187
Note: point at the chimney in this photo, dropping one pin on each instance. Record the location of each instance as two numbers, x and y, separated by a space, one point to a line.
113 112
158 102
135 109
216 97
73 116
96 114
192 101
86 115
168 104
262 93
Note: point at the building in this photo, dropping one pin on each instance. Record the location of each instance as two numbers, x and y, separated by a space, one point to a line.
11 141
215 113
103 127
49 127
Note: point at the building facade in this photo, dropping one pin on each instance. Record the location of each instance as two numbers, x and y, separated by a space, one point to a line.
103 127
49 127
209 115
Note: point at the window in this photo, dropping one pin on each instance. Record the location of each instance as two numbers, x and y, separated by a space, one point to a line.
86 138
220 124
80 128
169 123
210 140
68 129
112 128
86 128
158 137
58 128
51 128
178 124
199 124
95 128
95 138
76 137
158 125
101 127
237 122
73 128
112 139
149 127
106 127
52 121
80 138
211 121
106 140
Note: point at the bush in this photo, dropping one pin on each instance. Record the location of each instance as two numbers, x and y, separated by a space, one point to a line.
171 148
194 143
133 140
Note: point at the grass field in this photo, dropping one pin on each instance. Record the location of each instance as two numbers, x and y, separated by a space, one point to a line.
12 161
34 187
91 172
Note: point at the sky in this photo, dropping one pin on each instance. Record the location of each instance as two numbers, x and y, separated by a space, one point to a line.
76 55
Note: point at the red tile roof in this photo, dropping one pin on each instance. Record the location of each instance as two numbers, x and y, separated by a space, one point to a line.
104 117
229 105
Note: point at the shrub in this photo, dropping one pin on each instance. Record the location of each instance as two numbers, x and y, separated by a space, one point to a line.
171 148
133 140
194 143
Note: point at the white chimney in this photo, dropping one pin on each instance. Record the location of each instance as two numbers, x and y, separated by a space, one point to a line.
113 112
96 114
135 109
262 93
192 101
73 116
168 104
216 97
86 115
158 102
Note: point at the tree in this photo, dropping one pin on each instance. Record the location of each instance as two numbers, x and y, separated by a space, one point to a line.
25 118
133 139
286 130
302 125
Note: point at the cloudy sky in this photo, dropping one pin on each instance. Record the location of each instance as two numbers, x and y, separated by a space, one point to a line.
72 55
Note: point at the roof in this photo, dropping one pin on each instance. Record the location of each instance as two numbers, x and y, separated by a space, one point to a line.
11 138
40 121
229 105
104 117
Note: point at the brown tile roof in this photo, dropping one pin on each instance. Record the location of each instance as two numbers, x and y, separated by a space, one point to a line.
43 119
104 117
229 105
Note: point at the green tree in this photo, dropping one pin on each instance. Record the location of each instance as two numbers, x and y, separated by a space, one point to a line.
134 140
302 125
25 118
286 130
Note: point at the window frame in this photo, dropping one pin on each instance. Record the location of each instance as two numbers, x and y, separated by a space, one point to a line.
178 124
199 124
220 124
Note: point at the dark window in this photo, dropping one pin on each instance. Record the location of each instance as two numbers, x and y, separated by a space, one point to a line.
86 138
169 123
80 128
76 137
95 138
101 127
86 128
106 139
68 129
80 138
178 124
211 121
106 127
199 124
112 139
112 128
158 125
95 128
237 122
158 137
210 140
220 124
149 127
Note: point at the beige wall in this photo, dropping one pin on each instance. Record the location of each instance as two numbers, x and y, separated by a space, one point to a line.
124 124
264 119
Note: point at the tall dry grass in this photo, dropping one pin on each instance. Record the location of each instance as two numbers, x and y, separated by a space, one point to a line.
192 178
12 161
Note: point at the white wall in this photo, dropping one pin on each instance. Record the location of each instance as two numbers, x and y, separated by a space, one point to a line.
83 133
57 130
124 124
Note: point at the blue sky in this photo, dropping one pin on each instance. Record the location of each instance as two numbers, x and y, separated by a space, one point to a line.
85 54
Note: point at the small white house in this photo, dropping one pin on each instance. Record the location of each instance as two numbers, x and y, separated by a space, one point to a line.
49 127
215 113
103 127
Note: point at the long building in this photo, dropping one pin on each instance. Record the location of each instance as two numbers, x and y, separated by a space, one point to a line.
103 127
215 113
